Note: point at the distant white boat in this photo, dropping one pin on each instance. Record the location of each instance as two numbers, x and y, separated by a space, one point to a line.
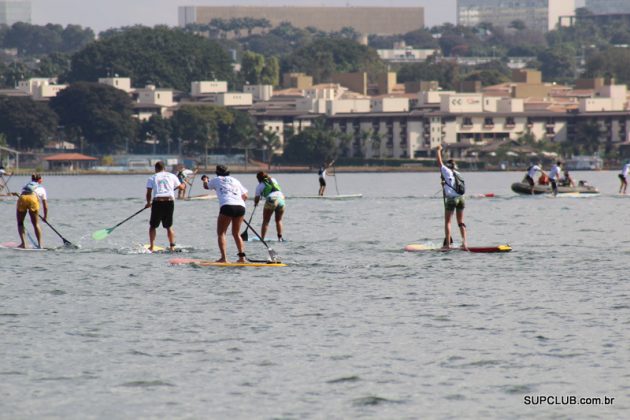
584 163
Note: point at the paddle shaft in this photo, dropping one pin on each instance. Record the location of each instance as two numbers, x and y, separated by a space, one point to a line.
191 183
335 175
259 237
133 215
244 234
65 241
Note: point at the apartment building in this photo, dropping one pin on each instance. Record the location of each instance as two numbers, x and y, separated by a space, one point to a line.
389 20
40 88
608 7
538 15
13 11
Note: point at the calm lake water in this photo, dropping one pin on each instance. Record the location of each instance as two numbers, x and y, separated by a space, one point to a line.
353 328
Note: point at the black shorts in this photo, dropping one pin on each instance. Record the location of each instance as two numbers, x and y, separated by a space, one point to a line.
162 212
622 178
232 210
529 180
322 182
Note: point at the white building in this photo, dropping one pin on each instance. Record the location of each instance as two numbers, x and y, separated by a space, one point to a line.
259 92
538 15
122 83
208 87
13 11
40 88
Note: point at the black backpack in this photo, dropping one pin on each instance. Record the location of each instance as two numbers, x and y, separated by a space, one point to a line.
460 184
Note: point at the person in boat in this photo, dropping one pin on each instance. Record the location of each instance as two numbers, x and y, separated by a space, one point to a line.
453 201
183 175
322 177
232 196
269 189
529 177
29 202
160 198
567 181
554 177
623 177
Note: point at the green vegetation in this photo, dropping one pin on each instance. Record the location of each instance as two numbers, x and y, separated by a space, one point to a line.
161 56
97 113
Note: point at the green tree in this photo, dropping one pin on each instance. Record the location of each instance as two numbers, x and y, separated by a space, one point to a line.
252 65
100 113
26 123
445 72
611 62
53 65
313 145
198 126
557 65
268 141
160 55
160 129
326 56
10 75
270 74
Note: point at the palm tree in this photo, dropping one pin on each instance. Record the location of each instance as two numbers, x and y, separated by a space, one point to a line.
268 140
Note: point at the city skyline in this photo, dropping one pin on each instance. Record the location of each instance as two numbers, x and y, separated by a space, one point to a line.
103 14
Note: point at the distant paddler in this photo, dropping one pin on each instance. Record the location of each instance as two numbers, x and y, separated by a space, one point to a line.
554 177
623 177
160 198
184 176
322 177
453 199
28 201
232 196
531 173
4 181
269 189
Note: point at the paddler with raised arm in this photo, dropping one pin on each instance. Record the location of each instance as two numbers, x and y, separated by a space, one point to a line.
453 201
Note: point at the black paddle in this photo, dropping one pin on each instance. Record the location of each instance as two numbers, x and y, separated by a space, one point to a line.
244 235
104 233
66 242
272 254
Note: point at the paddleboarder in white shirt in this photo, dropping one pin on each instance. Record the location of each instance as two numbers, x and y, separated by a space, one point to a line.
453 201
232 196
529 178
161 200
322 177
554 177
623 177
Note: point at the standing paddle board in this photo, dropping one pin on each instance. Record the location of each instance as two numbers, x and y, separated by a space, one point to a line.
160 249
210 263
330 197
14 246
201 197
479 249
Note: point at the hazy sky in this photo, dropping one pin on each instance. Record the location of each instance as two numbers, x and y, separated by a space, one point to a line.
103 14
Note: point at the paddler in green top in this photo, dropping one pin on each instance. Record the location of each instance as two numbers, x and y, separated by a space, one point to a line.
269 189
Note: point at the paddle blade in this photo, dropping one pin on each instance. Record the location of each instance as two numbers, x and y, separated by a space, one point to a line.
101 234
244 235
273 255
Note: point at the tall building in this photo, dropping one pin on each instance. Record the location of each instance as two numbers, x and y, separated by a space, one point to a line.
608 7
365 20
538 15
12 11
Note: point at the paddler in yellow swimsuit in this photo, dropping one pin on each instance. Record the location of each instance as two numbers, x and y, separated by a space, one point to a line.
28 201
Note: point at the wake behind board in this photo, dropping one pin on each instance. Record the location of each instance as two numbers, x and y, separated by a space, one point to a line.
210 263
475 249
330 197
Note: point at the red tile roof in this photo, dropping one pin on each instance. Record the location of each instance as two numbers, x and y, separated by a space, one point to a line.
69 157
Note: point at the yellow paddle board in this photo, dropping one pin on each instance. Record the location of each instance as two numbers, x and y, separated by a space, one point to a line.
210 263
